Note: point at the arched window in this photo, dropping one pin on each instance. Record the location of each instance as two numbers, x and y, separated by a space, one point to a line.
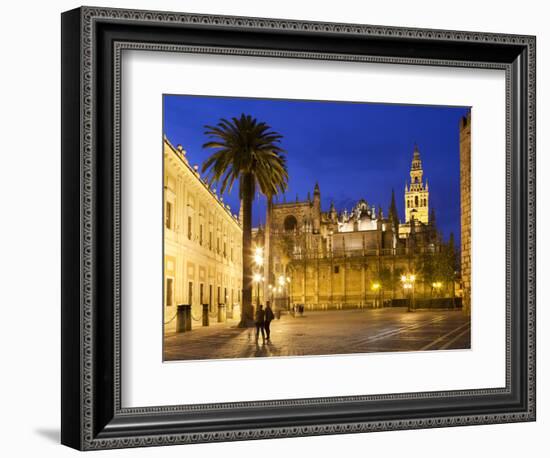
290 223
416 201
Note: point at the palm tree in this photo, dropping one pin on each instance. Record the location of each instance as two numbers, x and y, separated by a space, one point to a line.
267 243
247 151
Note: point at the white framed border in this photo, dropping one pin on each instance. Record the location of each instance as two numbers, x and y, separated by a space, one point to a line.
146 381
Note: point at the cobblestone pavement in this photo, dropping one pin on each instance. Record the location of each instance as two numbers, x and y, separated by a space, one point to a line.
326 333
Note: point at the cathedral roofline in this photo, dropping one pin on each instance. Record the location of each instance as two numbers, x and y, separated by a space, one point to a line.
292 204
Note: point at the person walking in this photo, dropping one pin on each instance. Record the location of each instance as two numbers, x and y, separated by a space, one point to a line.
269 316
260 322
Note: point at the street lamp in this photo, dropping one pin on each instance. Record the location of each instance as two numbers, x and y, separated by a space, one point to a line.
408 286
257 278
376 288
437 286
281 281
259 256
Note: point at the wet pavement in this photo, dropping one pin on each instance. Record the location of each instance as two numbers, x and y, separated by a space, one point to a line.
327 333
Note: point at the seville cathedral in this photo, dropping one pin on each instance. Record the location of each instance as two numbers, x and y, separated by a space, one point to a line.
335 259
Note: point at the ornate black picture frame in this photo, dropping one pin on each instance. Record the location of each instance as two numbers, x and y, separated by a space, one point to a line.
92 42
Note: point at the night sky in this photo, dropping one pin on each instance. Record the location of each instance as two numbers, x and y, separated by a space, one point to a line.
353 150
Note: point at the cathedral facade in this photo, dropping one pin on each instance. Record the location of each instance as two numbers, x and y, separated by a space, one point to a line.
338 259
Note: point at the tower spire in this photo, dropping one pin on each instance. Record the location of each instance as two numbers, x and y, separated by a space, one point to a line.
416 194
392 212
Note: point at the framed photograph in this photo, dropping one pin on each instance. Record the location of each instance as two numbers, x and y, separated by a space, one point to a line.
276 228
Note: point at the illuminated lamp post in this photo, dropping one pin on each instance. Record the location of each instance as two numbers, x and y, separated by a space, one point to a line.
376 288
437 287
257 278
408 287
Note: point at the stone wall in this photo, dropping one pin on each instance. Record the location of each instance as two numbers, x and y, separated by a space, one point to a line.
465 211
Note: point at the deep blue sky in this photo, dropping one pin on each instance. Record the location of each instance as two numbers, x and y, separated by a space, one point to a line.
354 150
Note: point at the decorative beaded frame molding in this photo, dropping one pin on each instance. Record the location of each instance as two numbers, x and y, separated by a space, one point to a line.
87 432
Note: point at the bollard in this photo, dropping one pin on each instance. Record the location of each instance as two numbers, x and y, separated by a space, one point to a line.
183 319
236 312
221 313
205 317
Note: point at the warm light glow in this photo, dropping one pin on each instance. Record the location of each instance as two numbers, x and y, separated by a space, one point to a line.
413 277
375 286
437 284
288 279
257 278
403 278
281 280
259 256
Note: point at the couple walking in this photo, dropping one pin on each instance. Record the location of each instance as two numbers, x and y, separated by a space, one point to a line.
263 319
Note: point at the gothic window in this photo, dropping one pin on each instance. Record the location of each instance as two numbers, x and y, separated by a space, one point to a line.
416 201
189 227
290 223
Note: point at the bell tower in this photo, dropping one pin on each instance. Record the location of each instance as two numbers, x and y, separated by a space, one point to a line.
416 194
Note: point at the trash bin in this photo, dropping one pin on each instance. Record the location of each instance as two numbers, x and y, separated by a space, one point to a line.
221 313
183 319
205 317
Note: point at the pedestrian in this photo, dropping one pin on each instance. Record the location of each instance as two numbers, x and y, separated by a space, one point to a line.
269 315
260 322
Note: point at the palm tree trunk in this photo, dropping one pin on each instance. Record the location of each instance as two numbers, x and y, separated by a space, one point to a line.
247 194
267 246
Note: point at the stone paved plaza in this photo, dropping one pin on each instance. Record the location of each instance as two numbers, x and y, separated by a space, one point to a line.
325 333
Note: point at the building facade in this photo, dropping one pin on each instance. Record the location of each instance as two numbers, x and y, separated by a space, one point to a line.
202 244
465 209
338 259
